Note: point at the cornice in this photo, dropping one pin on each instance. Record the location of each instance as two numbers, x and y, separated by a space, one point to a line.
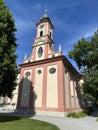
50 60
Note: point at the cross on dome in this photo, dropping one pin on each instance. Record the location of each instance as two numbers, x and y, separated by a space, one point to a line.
45 14
45 18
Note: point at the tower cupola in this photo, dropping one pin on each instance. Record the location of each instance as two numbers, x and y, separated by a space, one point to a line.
45 26
45 18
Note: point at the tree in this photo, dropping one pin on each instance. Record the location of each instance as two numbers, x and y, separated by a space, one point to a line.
90 86
81 53
85 53
8 66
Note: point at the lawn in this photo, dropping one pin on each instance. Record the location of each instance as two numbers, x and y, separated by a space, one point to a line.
16 123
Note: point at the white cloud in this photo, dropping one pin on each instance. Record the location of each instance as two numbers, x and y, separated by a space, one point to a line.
90 32
73 4
23 26
37 7
70 43
59 23
65 5
14 4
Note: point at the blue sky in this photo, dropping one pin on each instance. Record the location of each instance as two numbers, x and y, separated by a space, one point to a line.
72 19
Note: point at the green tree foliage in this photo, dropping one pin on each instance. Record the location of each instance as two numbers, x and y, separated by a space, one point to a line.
85 53
81 53
90 86
8 66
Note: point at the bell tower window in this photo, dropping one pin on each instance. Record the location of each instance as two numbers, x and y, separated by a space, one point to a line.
41 33
50 34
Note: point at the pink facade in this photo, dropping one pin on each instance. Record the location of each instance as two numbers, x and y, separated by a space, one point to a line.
48 81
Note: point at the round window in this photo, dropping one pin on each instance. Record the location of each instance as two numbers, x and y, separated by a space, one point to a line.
39 71
27 74
52 70
42 26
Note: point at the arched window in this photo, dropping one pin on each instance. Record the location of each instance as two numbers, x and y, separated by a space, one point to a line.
50 34
41 33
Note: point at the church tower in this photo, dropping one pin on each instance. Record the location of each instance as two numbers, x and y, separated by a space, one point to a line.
44 38
43 46
48 81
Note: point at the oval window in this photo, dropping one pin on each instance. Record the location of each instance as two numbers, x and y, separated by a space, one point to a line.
39 71
40 52
42 26
27 74
52 70
53 56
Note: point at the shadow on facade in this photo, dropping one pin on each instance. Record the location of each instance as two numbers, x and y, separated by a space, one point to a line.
26 97
77 86
82 101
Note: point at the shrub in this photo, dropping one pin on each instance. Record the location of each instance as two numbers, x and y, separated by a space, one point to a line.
90 109
97 119
13 104
77 114
1 104
8 103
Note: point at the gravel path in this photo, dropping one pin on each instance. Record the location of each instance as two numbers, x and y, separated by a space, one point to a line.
87 123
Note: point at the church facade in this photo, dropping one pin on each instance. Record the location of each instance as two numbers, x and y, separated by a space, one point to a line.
48 81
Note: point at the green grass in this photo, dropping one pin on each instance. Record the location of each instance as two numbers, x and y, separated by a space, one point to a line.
79 114
16 123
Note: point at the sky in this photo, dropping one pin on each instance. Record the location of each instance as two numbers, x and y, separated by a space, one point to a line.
72 19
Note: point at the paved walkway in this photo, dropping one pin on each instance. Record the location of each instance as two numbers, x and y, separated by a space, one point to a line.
87 123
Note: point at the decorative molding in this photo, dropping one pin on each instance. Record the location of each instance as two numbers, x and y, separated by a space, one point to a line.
40 40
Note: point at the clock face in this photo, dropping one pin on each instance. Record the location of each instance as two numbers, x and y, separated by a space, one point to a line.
42 26
40 52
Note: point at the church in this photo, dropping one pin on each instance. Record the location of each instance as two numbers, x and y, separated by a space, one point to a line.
49 83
